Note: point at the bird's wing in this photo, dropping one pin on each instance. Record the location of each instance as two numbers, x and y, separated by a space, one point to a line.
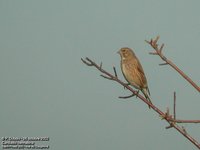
142 75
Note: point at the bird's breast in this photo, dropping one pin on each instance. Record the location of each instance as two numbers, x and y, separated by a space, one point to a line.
130 74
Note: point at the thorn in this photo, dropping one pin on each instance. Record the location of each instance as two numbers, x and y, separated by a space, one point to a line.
184 130
87 58
161 48
82 60
106 77
163 64
168 127
167 112
115 71
162 116
174 105
87 63
157 38
164 58
166 115
151 41
153 53
100 65
147 41
124 97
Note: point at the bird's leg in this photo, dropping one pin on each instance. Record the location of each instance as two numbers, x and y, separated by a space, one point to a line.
137 93
127 85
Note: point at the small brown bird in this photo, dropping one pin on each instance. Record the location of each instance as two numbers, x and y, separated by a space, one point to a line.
133 71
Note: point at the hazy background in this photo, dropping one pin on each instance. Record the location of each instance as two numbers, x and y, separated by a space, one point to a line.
45 89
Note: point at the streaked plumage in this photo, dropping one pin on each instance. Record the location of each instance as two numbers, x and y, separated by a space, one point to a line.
133 71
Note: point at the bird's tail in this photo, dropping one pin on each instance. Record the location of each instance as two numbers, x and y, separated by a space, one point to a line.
146 93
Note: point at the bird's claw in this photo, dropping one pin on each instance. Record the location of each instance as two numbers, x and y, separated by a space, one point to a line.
127 85
137 93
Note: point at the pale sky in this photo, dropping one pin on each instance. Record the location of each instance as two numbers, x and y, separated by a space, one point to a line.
47 91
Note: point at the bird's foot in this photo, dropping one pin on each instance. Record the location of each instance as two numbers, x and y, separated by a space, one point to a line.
127 85
137 93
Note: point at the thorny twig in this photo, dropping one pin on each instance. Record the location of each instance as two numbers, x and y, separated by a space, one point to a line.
172 122
174 105
124 97
158 51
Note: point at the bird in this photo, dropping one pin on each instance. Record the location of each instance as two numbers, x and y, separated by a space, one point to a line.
133 72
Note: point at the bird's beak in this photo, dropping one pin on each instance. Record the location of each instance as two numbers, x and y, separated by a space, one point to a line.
118 52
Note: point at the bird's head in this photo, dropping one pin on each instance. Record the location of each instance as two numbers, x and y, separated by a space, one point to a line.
126 53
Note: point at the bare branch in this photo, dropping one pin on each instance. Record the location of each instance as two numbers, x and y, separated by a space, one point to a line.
174 105
172 122
124 97
158 51
184 121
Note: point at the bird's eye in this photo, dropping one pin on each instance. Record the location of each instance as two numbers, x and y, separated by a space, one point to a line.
123 50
